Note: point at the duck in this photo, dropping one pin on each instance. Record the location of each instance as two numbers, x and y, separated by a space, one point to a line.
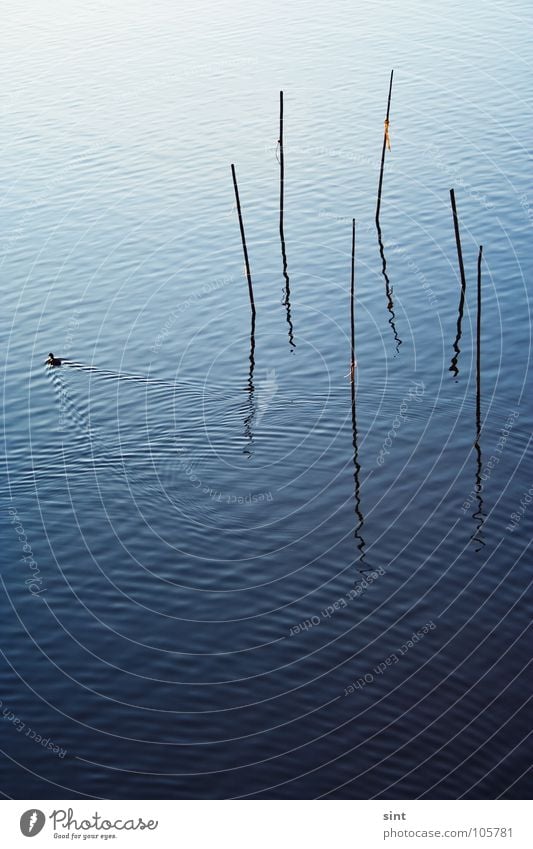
53 361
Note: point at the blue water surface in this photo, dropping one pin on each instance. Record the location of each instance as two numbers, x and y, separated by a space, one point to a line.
224 575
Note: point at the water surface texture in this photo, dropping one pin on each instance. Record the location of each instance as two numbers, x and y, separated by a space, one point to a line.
225 573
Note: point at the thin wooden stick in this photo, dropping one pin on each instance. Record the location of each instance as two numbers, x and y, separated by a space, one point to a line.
352 301
458 241
281 166
388 287
478 341
243 238
385 139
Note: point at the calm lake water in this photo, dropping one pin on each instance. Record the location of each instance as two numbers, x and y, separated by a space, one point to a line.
226 560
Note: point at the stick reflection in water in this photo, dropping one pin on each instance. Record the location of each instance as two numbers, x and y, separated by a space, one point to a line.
248 421
453 366
353 365
478 515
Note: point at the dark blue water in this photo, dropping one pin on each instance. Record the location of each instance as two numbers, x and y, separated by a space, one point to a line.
238 583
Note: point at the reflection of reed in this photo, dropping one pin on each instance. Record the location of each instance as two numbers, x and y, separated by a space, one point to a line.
357 472
287 292
453 366
478 515
250 388
388 287
357 467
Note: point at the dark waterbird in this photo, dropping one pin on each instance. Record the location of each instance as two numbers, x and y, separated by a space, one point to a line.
54 361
